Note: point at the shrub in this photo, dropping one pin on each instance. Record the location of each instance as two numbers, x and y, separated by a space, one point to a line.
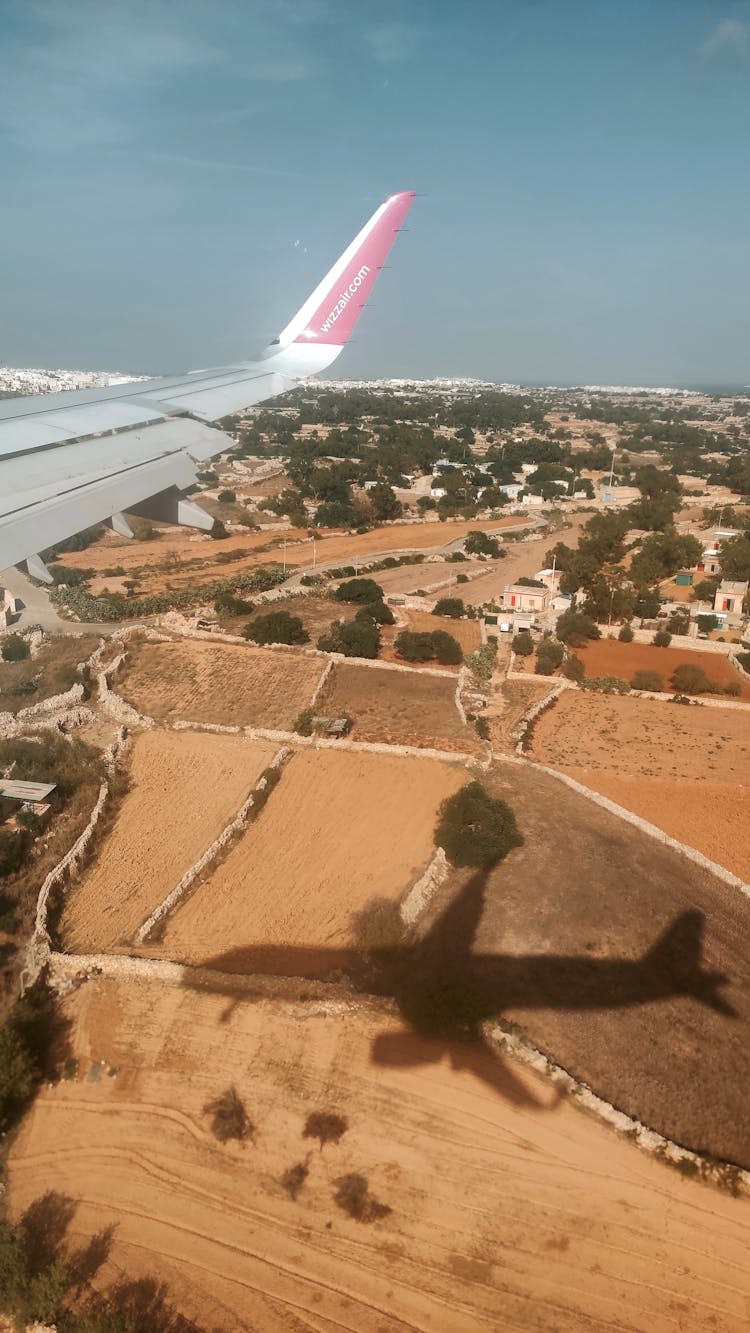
573 668
226 497
29 820
354 638
478 543
549 656
462 578
689 679
18 1072
228 604
648 680
377 611
303 726
276 627
325 1126
733 689
359 590
15 648
626 634
662 638
446 649
12 851
481 662
605 685
229 1119
414 647
522 644
476 829
482 728
294 1178
353 1195
744 660
575 628
449 606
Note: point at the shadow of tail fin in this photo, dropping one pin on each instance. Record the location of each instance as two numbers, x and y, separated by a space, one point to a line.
677 955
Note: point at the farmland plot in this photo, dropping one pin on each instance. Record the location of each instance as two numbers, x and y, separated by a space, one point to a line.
229 684
184 787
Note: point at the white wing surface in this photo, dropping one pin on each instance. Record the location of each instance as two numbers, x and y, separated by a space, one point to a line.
68 460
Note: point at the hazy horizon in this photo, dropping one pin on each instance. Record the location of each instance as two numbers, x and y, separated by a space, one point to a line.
179 177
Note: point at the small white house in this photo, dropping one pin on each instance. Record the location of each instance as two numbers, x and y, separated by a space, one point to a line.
519 597
730 595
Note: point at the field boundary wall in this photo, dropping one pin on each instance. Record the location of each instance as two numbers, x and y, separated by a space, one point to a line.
420 893
39 947
324 743
651 830
235 826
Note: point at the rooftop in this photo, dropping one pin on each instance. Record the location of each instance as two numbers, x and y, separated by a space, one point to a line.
26 791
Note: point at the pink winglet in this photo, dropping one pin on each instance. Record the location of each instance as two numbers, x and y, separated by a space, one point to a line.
339 306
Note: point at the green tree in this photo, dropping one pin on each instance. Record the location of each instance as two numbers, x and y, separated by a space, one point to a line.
276 627
414 647
573 668
377 611
449 606
549 655
575 628
226 497
352 638
446 649
626 634
735 558
359 590
662 638
689 679
476 829
385 505
522 644
478 542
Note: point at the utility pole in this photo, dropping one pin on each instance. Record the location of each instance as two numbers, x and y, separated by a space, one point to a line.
612 468
611 603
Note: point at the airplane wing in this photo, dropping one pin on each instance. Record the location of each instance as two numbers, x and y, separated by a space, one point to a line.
69 460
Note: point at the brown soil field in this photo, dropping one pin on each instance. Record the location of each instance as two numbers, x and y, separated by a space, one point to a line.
506 1213
634 737
177 560
339 830
228 684
569 926
713 817
183 788
408 578
398 707
609 657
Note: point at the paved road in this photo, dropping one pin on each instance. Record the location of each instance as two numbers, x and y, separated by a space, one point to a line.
38 609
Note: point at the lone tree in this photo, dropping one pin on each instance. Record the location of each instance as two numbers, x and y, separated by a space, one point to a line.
353 638
522 644
478 543
476 829
15 648
359 590
449 606
689 679
276 627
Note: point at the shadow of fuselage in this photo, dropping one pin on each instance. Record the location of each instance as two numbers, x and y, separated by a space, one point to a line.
445 992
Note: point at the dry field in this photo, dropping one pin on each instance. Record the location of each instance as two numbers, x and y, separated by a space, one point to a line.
713 817
585 895
176 560
339 830
183 788
636 737
53 671
315 612
687 770
508 705
609 657
503 1215
398 707
228 684
408 578
465 631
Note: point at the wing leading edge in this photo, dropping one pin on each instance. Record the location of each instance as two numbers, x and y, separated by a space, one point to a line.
71 459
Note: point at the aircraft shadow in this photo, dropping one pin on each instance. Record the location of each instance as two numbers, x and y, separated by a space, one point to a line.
445 992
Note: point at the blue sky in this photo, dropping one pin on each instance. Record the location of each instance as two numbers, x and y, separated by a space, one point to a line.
177 174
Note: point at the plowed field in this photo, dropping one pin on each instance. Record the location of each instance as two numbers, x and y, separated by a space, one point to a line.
507 1211
398 707
609 657
228 684
183 789
340 829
